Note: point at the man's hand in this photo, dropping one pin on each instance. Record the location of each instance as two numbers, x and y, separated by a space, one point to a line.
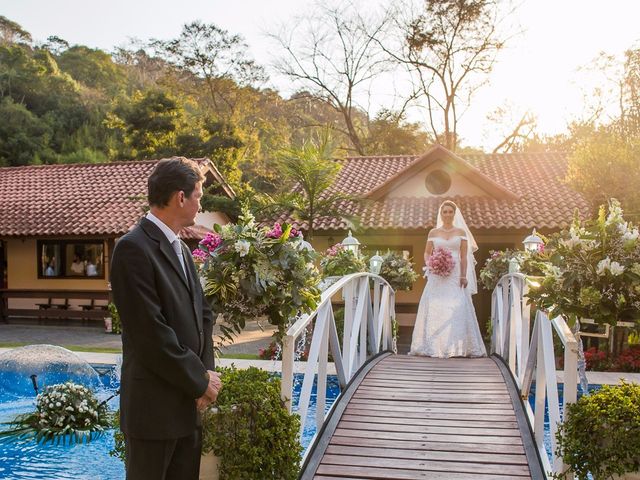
211 393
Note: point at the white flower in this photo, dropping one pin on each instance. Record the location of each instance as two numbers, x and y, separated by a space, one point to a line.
616 269
573 241
630 235
227 232
603 266
613 267
615 213
242 247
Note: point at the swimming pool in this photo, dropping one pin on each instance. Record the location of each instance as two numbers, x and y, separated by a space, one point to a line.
28 460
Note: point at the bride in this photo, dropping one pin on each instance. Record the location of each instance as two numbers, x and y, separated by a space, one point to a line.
446 324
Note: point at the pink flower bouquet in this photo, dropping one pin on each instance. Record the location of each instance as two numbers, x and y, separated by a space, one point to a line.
440 262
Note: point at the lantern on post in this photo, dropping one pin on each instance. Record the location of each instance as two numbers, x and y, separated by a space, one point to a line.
533 242
375 263
351 243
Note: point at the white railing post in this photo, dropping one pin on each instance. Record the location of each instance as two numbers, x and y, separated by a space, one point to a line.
364 324
529 355
288 356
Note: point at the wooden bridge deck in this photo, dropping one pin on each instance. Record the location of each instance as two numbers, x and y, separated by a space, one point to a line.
424 418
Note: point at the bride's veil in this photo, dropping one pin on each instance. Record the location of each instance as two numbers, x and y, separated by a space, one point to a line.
472 246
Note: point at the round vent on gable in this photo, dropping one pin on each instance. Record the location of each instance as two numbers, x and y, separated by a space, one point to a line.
438 182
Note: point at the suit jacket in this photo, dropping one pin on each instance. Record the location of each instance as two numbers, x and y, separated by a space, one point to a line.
166 335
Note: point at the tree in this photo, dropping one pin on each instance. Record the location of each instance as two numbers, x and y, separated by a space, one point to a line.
92 68
307 175
148 124
213 55
24 138
606 165
389 134
449 46
12 32
521 130
333 53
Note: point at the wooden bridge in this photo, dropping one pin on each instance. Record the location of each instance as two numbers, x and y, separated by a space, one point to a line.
403 417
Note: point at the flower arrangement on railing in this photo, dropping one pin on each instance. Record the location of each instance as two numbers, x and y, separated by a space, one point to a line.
338 261
66 413
593 270
398 271
497 265
252 272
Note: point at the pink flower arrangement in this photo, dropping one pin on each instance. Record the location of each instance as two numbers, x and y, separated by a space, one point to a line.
199 256
440 262
211 241
276 232
333 251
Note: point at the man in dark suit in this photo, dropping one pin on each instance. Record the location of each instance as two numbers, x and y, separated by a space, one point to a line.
167 367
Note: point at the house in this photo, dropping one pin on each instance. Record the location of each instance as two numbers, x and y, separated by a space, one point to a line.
59 224
502 196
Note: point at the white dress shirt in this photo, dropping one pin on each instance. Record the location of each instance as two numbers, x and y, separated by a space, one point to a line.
174 240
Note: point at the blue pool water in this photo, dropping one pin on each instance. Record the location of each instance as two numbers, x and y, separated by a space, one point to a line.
28 460
547 428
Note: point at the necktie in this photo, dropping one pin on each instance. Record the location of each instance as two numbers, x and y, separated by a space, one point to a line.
177 247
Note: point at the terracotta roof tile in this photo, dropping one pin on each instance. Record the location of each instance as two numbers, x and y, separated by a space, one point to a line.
541 198
104 199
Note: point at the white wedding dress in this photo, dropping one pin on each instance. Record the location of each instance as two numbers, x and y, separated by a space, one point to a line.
446 324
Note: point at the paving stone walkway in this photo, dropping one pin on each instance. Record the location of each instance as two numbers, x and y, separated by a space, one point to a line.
252 339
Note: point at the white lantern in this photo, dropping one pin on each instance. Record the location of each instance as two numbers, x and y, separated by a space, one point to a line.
351 243
533 242
375 263
514 265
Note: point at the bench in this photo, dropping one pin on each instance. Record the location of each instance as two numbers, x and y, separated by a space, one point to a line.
45 306
58 305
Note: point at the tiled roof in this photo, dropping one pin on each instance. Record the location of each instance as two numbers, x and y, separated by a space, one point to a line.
102 199
538 197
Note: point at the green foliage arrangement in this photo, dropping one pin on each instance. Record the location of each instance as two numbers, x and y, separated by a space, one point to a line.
116 325
601 435
398 271
497 265
250 272
66 413
593 270
118 450
338 261
251 430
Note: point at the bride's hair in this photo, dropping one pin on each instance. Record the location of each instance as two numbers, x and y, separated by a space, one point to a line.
449 203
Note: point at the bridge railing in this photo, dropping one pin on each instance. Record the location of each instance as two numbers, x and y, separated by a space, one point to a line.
530 351
369 308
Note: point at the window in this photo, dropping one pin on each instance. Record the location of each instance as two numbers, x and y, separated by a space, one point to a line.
438 182
70 259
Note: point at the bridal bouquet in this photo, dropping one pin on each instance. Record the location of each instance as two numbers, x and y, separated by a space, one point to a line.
440 262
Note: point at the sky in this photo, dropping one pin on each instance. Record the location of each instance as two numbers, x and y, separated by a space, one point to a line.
540 70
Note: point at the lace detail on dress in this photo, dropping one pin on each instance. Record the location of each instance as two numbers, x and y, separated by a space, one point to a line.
446 324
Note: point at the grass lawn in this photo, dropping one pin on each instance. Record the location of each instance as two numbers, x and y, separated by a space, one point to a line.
87 348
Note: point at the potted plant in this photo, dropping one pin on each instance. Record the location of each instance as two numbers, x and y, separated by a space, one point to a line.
398 271
250 272
248 433
497 265
250 429
338 261
112 321
601 434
